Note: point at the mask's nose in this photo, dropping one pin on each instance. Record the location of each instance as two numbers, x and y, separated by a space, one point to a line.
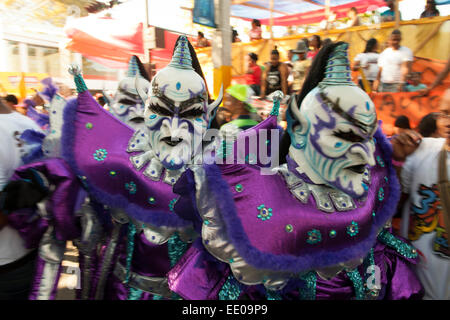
365 153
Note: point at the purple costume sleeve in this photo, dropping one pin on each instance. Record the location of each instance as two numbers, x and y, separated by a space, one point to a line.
60 216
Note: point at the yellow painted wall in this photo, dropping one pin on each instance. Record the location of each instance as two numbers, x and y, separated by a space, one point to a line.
9 82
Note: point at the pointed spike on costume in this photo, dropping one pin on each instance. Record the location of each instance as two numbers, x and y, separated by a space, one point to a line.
277 96
337 71
133 68
75 70
181 58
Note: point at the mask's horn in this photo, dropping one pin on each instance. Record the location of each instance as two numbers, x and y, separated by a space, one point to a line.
140 88
216 102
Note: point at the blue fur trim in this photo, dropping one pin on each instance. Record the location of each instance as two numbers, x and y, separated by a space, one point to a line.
156 218
35 138
321 258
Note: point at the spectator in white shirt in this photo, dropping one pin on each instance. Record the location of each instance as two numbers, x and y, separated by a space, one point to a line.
16 261
394 65
368 62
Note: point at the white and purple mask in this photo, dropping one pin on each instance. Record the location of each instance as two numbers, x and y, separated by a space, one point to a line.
127 104
177 109
332 140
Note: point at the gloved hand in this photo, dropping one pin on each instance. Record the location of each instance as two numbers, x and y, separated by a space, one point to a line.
24 193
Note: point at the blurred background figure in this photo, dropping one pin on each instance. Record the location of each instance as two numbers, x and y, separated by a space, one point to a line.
329 23
401 124
238 99
354 20
11 101
394 65
315 43
430 10
427 126
202 41
389 15
256 31
368 62
290 65
274 76
234 35
415 84
253 73
301 66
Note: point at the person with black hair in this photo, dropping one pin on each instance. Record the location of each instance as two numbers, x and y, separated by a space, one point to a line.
367 61
316 43
353 19
11 101
427 126
253 73
401 124
430 10
394 65
256 31
202 41
275 76
234 36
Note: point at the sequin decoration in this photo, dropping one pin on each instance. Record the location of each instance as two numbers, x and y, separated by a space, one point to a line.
112 173
100 154
380 162
131 187
134 294
289 228
264 213
151 200
89 125
401 247
239 187
230 290
358 284
353 229
250 158
332 233
273 295
381 194
172 204
130 249
308 291
176 248
314 236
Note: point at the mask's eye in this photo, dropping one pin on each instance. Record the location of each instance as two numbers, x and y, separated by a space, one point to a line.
348 136
127 101
160 110
192 113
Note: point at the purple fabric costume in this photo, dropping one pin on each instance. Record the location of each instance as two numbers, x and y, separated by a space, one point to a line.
126 257
282 236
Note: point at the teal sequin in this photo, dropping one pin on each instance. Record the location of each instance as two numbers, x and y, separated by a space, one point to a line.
386 179
157 297
131 187
380 162
358 284
176 248
273 295
401 247
381 194
134 294
239 187
80 84
314 236
172 204
251 159
333 233
308 292
230 290
264 213
276 108
100 154
353 229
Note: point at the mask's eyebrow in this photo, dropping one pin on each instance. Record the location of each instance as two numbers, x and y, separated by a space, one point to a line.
337 108
129 94
187 103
